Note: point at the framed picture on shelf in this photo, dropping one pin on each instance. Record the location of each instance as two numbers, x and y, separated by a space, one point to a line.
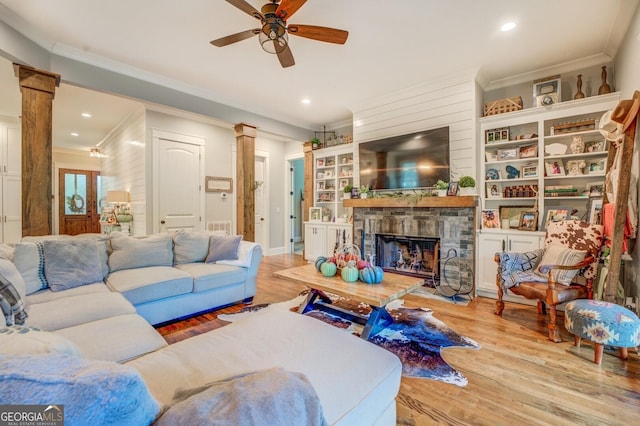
554 167
315 214
597 166
355 192
491 156
320 162
528 221
555 214
320 175
594 146
546 91
508 154
453 189
497 135
595 211
321 185
494 190
512 214
490 219
493 174
595 189
529 171
344 183
529 151
328 174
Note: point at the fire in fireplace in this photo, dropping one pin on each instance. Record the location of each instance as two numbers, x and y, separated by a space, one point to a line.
418 256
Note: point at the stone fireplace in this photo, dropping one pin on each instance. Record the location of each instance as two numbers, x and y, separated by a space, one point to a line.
435 225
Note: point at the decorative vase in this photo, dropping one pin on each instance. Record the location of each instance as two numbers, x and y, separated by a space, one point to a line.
579 94
442 192
577 145
468 191
346 196
363 195
604 87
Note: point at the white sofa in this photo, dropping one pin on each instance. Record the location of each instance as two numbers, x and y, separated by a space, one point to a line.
356 381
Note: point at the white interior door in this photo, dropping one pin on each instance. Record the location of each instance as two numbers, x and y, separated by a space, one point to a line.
178 185
260 202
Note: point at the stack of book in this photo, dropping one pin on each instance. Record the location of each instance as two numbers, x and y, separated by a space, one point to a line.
560 191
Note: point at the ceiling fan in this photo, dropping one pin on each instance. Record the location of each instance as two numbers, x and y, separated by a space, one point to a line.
273 34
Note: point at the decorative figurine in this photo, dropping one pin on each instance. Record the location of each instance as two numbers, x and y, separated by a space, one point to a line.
604 88
579 94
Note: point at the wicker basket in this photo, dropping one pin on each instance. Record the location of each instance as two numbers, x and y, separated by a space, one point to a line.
503 105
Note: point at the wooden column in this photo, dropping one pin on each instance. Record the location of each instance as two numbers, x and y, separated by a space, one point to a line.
307 148
38 88
245 180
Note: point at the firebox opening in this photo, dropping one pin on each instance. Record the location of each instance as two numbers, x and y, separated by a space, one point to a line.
417 256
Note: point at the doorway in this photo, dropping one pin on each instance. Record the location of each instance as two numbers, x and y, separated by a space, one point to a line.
295 202
260 195
78 207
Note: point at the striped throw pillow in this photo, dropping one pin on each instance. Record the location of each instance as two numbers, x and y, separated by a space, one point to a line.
557 254
11 303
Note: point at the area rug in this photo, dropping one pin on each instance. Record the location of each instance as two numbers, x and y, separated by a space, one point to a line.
416 337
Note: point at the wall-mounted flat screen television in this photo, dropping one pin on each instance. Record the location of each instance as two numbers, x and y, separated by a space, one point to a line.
416 160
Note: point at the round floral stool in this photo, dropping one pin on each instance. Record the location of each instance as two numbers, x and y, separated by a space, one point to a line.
603 323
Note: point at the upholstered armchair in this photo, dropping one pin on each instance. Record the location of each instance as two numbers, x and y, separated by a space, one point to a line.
564 270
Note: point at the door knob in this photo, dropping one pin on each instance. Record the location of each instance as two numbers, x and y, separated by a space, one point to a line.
162 222
262 218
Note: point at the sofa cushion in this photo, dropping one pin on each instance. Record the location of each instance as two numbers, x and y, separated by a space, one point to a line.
19 340
153 283
43 296
11 303
118 338
69 311
92 392
129 253
29 259
207 276
71 263
265 340
223 248
557 254
245 255
190 246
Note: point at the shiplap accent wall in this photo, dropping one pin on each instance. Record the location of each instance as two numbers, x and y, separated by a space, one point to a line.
123 168
448 102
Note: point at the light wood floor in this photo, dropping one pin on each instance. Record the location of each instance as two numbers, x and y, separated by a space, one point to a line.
518 377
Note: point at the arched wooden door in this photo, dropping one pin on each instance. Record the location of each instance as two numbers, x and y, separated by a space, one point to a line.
79 209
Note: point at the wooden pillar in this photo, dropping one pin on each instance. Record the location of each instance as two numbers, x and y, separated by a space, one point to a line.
307 148
245 180
38 88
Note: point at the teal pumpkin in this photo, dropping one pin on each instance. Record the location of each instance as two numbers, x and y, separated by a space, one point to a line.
349 274
319 261
328 269
371 275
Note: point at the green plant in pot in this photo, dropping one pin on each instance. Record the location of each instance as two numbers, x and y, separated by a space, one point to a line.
467 185
441 188
347 191
315 143
364 191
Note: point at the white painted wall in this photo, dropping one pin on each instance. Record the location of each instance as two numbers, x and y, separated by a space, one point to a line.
628 80
124 166
448 102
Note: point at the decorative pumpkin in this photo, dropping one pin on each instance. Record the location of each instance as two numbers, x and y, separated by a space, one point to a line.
362 264
328 269
319 261
371 275
349 274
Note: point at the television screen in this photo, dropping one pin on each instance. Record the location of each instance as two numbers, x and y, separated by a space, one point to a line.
417 160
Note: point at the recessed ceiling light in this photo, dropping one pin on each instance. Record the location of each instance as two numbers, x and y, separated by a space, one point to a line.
86 115
75 134
306 101
508 26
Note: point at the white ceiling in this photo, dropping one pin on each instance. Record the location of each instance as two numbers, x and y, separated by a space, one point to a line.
392 45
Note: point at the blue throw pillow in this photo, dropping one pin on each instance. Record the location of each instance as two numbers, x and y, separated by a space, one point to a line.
223 248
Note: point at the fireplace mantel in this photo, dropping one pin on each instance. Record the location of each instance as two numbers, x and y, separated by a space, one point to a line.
434 202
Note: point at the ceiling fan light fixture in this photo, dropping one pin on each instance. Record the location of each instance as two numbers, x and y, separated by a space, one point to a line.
273 37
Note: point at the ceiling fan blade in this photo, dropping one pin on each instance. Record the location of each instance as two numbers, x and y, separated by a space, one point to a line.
246 8
329 35
288 7
286 58
233 38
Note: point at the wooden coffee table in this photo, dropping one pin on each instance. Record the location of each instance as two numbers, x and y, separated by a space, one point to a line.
392 287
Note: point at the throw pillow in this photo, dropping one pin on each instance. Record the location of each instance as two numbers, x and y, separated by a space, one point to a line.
245 255
557 254
92 392
190 246
71 263
11 303
19 340
130 253
223 248
29 259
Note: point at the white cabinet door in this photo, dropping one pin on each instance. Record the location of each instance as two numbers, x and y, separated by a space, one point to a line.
11 209
315 241
488 246
521 243
12 151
